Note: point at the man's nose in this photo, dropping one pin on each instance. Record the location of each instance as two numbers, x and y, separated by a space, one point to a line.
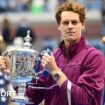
70 25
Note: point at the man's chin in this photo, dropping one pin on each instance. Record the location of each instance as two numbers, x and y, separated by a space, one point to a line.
73 40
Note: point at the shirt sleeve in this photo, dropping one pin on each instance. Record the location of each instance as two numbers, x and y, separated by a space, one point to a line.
90 83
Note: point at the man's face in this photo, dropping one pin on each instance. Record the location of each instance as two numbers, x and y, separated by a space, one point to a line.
70 27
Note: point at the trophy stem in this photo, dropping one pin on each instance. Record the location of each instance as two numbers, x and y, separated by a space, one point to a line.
20 97
21 89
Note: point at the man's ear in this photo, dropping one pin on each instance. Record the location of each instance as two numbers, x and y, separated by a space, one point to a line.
59 28
83 28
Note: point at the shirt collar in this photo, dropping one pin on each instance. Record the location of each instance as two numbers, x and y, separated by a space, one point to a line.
73 49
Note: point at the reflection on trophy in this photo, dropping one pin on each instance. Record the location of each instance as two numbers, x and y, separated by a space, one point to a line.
21 65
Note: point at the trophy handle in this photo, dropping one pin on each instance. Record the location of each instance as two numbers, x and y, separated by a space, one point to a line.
37 70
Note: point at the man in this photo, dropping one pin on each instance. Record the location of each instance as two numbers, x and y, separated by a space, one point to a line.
76 67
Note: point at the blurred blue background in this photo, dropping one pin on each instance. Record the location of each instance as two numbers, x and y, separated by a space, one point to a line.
17 16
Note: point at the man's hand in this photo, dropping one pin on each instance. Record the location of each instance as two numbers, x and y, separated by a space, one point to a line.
48 62
4 64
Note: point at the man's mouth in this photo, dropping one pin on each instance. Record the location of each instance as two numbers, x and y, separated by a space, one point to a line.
70 32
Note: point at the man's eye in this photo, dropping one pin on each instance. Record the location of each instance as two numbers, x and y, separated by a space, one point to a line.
74 22
65 22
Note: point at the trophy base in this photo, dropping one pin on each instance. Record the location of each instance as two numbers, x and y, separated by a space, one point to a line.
21 99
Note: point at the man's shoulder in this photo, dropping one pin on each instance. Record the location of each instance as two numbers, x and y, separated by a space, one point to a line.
93 53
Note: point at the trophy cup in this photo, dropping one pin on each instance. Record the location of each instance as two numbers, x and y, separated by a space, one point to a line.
21 64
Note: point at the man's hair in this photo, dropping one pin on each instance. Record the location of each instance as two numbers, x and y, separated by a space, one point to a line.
71 6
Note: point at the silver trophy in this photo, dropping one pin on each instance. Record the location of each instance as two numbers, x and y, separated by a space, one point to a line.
21 64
